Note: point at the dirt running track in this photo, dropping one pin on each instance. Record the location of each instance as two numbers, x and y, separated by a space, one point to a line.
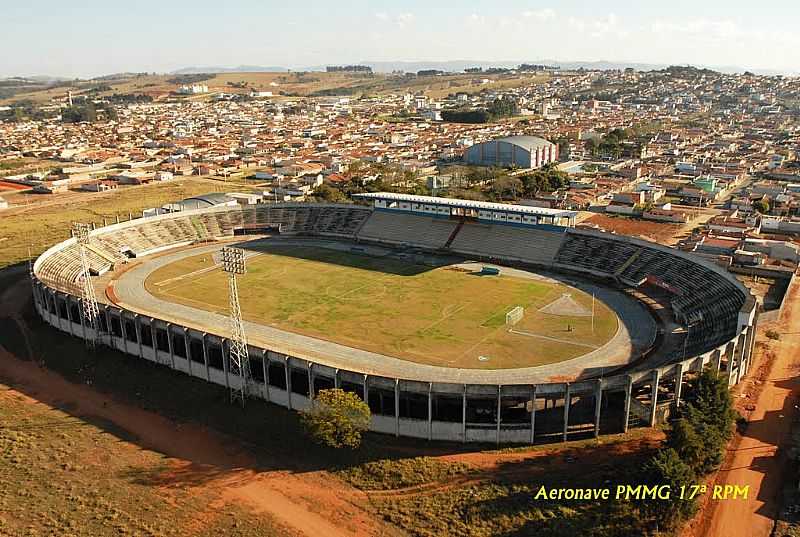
313 504
753 459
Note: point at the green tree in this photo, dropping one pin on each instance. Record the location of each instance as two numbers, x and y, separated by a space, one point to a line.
762 206
706 424
507 185
667 468
326 192
336 418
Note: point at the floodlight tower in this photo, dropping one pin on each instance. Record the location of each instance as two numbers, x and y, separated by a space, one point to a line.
239 362
91 311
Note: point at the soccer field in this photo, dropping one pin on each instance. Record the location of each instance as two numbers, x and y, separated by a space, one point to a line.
442 316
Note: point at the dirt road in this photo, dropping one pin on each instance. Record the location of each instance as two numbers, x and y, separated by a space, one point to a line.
754 459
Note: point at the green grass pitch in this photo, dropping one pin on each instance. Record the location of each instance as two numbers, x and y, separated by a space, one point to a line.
441 316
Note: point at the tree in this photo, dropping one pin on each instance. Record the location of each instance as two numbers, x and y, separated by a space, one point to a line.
336 418
667 468
711 404
762 206
326 192
507 184
700 435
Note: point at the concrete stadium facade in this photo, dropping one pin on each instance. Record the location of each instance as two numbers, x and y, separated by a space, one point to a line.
507 412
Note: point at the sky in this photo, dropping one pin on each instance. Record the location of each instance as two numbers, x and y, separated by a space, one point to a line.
90 38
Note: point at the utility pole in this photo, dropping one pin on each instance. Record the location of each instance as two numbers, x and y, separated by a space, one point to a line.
91 311
238 359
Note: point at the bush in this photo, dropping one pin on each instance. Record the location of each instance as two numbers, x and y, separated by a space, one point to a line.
336 419
773 334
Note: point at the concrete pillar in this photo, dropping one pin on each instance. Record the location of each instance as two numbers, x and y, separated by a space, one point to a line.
288 382
743 343
499 411
598 399
464 414
83 321
154 341
718 364
172 353
567 399
366 389
336 383
58 313
533 414
47 295
627 412
430 411
204 340
69 314
124 332
187 349
678 383
654 397
396 407
225 361
311 392
137 326
265 369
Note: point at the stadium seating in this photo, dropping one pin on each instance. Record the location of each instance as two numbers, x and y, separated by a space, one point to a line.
407 229
113 246
508 242
701 297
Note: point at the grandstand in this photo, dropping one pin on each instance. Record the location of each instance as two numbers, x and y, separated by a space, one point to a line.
718 314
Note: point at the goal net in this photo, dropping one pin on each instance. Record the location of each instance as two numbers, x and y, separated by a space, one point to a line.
515 315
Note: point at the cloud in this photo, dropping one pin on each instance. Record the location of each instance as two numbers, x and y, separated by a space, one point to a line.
404 18
704 28
604 26
401 19
544 14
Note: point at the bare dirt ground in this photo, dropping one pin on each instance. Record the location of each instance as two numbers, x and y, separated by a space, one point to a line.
754 457
634 227
311 504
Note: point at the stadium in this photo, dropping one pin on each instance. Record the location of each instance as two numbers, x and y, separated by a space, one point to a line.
455 320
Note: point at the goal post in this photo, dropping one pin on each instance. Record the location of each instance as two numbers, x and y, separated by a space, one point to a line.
515 315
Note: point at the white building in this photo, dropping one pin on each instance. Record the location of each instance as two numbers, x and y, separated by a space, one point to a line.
194 89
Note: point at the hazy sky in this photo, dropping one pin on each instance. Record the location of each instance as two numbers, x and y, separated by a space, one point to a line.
89 37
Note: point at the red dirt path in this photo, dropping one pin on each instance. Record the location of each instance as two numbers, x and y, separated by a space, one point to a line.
753 457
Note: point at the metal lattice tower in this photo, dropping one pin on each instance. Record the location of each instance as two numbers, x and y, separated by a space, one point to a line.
91 311
238 359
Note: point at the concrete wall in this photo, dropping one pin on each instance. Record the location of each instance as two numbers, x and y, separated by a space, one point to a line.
738 351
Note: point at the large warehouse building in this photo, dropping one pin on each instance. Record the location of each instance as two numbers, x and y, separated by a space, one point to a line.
519 151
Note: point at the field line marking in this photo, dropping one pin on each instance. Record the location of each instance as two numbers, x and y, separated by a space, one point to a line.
540 336
444 316
188 274
197 272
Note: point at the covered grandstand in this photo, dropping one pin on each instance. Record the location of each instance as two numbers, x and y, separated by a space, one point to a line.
717 312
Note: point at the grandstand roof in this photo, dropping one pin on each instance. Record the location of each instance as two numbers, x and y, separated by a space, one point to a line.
211 199
469 204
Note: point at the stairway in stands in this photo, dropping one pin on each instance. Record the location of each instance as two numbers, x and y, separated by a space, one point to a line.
453 234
